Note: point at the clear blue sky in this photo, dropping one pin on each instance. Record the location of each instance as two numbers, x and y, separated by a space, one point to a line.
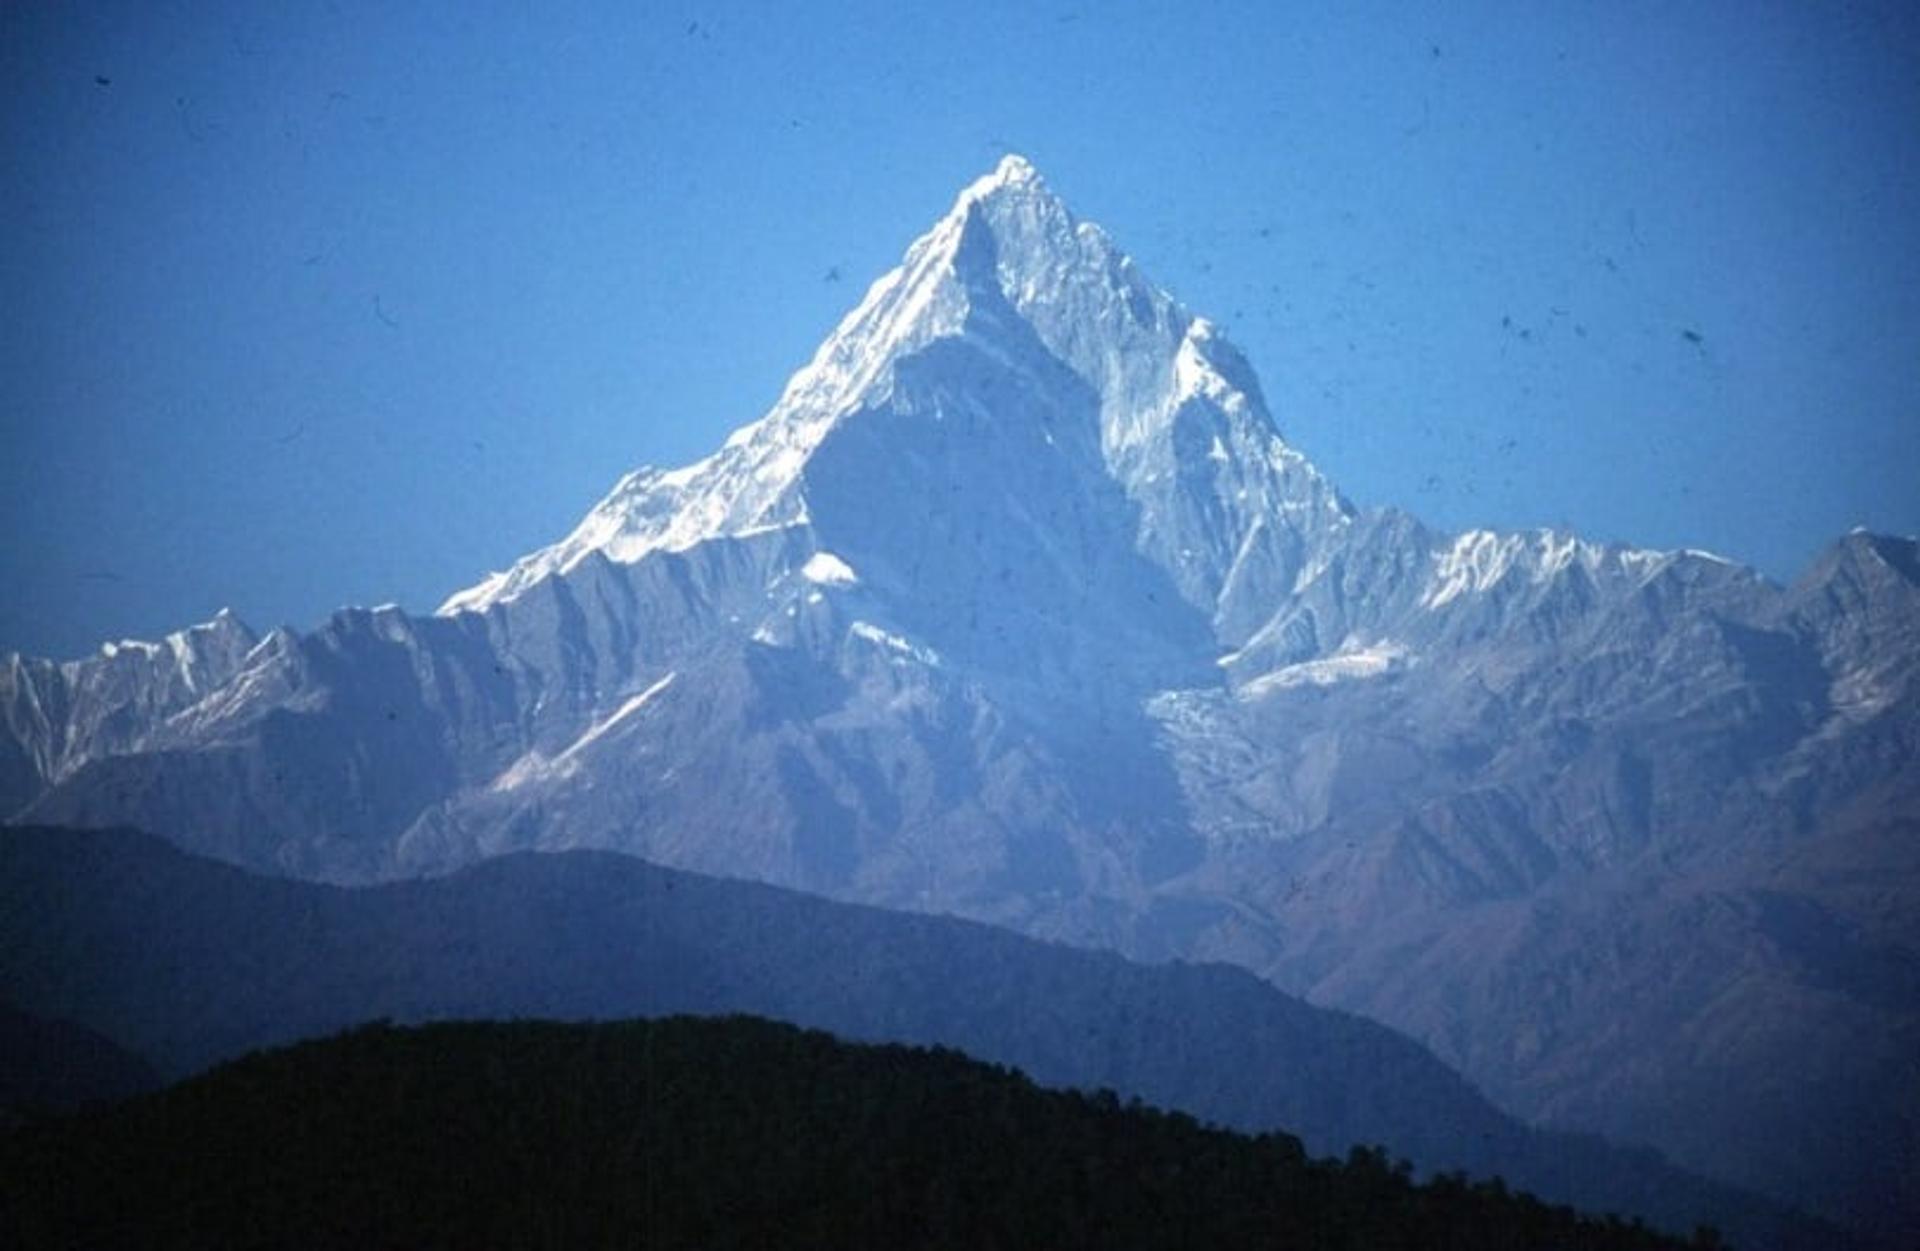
314 304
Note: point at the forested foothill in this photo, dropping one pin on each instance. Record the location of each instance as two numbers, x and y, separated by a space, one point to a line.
707 1132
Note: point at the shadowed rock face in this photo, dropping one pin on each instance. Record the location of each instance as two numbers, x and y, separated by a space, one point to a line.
1017 605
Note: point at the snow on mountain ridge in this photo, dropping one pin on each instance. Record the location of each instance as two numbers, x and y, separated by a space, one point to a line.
1007 243
179 644
752 482
72 711
1238 518
1477 561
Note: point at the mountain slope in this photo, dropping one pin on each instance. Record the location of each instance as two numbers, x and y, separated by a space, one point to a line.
57 1066
1018 605
699 1133
192 962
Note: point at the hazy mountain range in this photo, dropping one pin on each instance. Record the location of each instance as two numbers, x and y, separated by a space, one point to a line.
1018 606
189 963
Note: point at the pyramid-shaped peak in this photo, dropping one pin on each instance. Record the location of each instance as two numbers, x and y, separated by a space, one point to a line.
1014 170
1014 181
1007 294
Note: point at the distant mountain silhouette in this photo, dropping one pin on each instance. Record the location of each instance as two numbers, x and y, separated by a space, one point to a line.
189 962
57 1066
704 1133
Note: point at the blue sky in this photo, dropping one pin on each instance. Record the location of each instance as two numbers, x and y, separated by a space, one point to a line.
316 304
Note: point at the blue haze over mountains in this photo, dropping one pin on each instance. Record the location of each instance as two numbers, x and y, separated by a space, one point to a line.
1017 606
95 931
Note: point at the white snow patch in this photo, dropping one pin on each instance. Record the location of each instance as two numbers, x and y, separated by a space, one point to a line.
1311 572
625 710
893 642
1194 375
537 766
1254 528
1477 560
531 767
1350 663
826 569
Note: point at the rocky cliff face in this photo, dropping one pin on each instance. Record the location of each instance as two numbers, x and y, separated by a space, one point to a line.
1018 605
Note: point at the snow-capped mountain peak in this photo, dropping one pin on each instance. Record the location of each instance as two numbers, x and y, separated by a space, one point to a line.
753 481
1013 275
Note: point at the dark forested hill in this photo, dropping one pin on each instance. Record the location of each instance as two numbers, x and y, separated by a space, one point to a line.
57 1065
188 962
704 1133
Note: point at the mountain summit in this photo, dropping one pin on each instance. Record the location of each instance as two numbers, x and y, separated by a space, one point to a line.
1017 606
1053 422
1025 331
